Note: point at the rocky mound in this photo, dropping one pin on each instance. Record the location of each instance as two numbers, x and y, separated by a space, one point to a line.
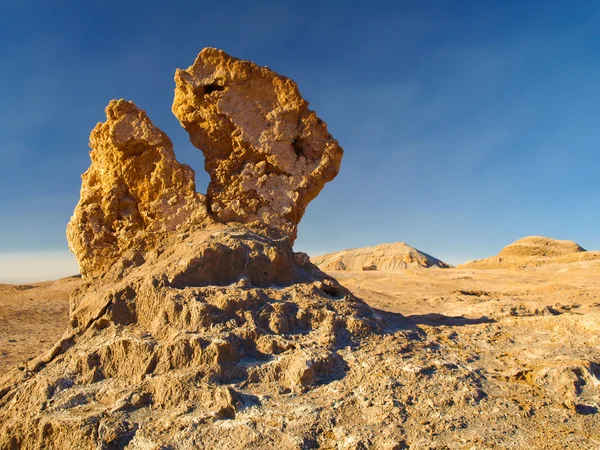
190 300
534 251
394 256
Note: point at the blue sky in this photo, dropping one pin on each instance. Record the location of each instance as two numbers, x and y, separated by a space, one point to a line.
466 124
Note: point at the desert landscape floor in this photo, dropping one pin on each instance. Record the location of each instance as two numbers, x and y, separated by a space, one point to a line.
32 318
503 356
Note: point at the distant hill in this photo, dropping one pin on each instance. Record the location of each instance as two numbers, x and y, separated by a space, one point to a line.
534 251
396 256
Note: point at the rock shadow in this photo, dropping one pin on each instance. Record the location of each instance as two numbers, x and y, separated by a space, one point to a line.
397 322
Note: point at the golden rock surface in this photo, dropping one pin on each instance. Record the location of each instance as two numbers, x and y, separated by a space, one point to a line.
267 154
133 192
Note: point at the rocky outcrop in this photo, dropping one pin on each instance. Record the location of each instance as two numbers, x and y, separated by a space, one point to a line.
267 154
134 192
195 329
182 311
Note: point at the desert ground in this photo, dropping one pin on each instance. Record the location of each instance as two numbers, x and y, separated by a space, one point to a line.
32 318
516 350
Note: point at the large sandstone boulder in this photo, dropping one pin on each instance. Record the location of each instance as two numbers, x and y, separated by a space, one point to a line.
134 192
267 154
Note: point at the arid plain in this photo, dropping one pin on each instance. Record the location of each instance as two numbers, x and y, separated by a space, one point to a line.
505 357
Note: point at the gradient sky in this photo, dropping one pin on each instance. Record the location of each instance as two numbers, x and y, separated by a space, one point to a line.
466 124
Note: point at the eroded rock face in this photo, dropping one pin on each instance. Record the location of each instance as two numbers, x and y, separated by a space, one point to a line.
180 313
267 154
133 192
165 339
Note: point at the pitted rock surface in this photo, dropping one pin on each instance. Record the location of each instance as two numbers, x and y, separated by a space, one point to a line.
134 192
267 154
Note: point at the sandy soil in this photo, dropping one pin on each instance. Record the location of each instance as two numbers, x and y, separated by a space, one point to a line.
503 356
483 295
32 318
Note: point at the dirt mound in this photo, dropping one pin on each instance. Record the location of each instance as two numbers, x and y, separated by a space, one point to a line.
394 256
534 251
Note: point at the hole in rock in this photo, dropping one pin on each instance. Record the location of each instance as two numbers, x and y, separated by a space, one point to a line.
298 147
210 88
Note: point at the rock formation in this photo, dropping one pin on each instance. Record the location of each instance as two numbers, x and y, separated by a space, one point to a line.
267 154
396 256
192 330
134 192
182 313
534 251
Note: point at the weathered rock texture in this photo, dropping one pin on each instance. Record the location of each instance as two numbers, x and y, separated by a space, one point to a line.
193 334
532 251
134 192
191 331
267 154
181 314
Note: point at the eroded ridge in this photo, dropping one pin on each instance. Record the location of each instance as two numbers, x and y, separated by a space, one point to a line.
267 154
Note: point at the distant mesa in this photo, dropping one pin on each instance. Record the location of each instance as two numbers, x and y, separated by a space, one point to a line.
540 247
534 251
396 256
